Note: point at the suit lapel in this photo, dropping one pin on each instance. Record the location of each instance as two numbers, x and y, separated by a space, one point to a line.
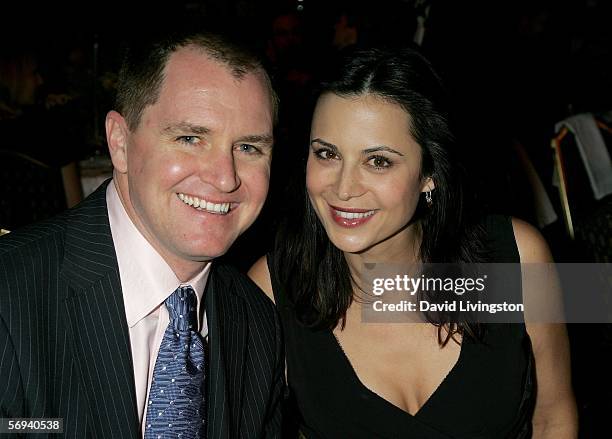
97 322
227 325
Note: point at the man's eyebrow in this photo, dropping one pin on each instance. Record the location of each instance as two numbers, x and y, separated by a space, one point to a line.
184 127
381 148
265 139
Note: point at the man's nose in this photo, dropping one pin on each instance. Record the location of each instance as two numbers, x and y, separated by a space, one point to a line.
218 168
348 183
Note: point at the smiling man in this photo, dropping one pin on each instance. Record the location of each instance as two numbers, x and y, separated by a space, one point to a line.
113 316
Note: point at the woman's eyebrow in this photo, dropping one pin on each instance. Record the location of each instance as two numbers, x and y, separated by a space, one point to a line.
364 152
326 144
381 148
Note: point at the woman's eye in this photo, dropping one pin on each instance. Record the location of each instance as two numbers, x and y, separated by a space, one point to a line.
325 154
379 162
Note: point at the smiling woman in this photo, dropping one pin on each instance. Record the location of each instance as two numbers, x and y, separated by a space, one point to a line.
383 186
370 173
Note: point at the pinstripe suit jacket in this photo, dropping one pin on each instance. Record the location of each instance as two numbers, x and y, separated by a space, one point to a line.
64 341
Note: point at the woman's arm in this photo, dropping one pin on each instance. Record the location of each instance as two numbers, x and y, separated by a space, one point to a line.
555 411
260 274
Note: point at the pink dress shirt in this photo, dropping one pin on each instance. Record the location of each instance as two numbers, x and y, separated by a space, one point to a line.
146 281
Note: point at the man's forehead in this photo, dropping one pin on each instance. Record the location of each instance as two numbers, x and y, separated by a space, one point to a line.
192 78
198 59
194 68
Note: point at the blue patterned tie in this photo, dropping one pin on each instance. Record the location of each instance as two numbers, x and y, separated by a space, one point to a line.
176 400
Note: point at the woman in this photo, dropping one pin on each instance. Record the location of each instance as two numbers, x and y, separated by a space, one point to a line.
383 186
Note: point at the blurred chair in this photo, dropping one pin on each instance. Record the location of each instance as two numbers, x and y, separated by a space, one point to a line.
93 172
583 175
29 190
544 212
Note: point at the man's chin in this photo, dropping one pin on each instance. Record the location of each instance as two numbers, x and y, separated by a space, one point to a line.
206 253
209 245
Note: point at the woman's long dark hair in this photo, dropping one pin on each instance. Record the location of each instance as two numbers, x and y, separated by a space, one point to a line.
313 272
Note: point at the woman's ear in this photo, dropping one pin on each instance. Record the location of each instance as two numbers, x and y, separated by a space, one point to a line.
117 133
428 185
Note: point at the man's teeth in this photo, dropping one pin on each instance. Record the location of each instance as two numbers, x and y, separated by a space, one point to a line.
219 208
354 215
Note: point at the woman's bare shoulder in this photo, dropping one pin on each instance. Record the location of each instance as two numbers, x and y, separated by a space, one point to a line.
260 274
531 244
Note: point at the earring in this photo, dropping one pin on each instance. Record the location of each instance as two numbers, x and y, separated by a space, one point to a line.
428 198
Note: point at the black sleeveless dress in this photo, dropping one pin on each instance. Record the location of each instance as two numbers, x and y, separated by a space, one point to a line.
489 393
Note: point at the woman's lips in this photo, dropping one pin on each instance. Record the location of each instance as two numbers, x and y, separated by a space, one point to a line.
350 217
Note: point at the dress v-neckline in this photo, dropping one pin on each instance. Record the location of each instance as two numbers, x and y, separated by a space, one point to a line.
376 396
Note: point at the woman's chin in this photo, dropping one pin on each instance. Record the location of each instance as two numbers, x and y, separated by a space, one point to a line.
350 246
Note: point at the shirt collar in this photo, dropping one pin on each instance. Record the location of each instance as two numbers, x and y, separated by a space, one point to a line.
146 279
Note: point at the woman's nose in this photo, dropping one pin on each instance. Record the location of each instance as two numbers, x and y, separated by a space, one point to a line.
349 183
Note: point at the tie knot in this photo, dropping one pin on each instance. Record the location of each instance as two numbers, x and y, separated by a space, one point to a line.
182 309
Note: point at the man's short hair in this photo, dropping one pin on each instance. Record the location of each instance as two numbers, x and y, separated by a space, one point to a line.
142 70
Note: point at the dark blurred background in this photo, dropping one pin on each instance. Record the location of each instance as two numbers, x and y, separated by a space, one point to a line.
521 73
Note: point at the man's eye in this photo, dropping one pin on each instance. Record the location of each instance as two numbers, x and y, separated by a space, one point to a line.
248 149
379 162
325 154
190 140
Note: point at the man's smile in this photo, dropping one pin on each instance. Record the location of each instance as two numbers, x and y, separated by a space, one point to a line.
202 204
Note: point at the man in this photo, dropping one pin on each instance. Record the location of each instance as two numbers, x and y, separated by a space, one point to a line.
88 300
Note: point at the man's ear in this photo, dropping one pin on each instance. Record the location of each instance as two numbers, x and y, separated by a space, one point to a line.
428 184
116 136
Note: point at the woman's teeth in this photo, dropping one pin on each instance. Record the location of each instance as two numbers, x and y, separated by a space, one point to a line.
218 208
354 215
